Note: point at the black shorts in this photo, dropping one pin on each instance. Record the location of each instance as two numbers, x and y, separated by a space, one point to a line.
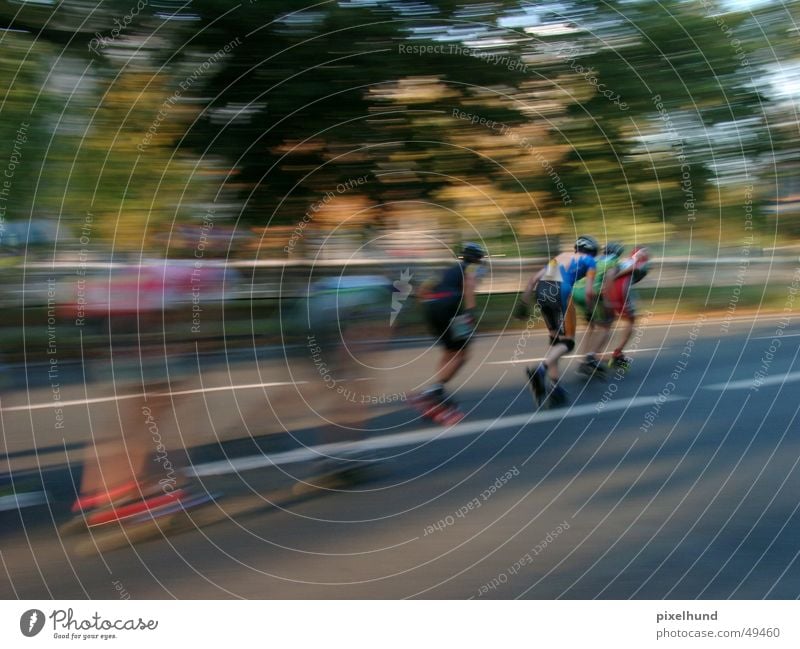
439 315
548 297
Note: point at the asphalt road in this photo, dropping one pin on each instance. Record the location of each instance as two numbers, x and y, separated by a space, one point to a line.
622 494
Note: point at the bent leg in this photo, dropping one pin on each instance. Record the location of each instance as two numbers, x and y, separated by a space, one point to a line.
627 332
452 360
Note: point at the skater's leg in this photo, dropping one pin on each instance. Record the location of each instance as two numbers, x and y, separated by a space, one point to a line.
451 361
584 347
556 351
117 468
113 465
600 340
627 332
562 339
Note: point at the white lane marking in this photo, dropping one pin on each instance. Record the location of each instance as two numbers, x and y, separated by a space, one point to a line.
774 336
20 500
746 384
534 360
420 436
57 403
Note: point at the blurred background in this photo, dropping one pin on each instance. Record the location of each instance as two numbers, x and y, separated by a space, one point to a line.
208 162
274 135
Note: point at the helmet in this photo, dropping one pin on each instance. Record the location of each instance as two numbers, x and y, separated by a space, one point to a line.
614 248
472 253
587 244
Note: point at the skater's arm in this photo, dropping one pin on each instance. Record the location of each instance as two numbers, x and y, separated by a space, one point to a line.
469 291
620 270
534 280
608 279
625 268
590 286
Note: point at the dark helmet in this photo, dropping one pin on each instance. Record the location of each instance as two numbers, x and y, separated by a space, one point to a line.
587 244
614 248
472 253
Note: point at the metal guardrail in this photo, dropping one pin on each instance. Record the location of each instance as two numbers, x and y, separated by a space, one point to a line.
263 280
28 285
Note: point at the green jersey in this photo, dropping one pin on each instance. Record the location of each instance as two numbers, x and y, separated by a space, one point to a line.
603 265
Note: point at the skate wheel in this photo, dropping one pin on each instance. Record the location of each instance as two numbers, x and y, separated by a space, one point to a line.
439 416
116 536
184 505
74 526
449 417
455 418
424 406
432 412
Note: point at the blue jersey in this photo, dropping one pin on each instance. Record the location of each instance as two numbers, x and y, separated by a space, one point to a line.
579 266
450 284
452 281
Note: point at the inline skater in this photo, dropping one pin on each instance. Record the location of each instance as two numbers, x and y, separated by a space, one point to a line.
597 311
552 287
620 299
613 283
449 304
346 321
136 469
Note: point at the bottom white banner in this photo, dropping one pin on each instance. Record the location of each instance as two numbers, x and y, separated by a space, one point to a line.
356 624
